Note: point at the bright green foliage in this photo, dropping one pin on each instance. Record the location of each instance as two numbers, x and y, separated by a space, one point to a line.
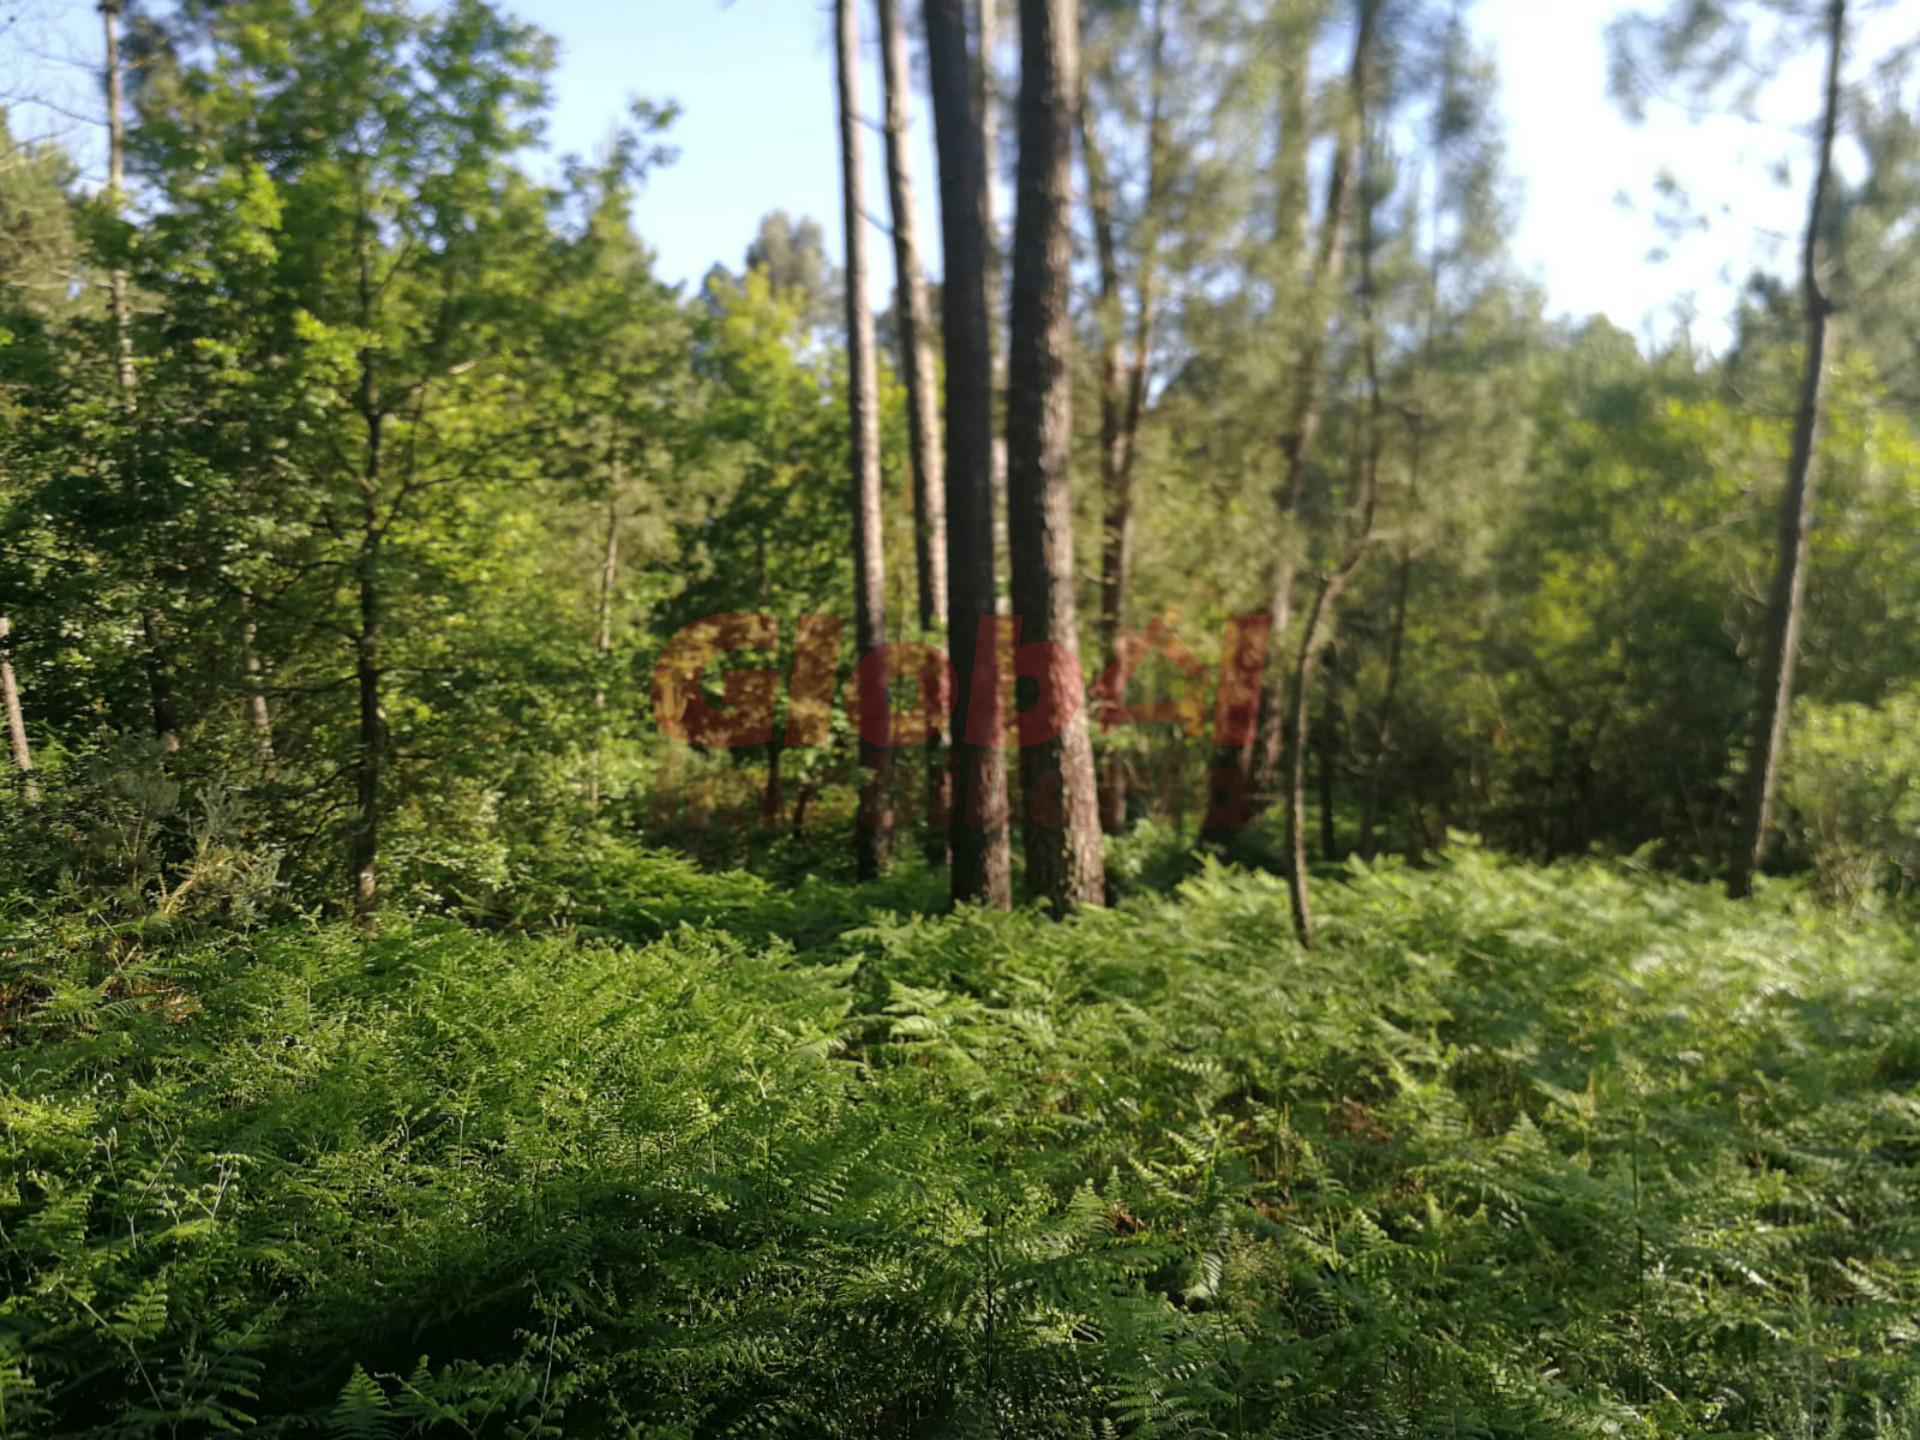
1517 1152
1853 784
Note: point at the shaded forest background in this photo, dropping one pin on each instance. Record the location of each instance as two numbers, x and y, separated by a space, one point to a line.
357 473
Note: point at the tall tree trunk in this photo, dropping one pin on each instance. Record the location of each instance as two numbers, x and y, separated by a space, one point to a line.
1123 381
16 720
923 405
1389 696
1403 577
1781 654
1116 541
1064 862
116 191
603 636
1299 736
1303 420
1322 620
166 720
1236 769
1332 721
981 864
166 725
259 714
773 798
370 758
873 831
986 103
1178 771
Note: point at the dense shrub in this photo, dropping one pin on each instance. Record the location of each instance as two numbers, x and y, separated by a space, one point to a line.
1853 788
1575 1151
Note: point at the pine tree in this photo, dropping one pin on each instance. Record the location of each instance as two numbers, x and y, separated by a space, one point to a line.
874 828
1064 861
1304 403
1780 652
1125 351
981 860
914 321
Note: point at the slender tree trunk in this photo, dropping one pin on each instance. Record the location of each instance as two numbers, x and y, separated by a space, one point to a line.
1403 578
873 831
1303 422
1179 773
603 638
1236 770
986 103
1064 862
923 404
1123 382
259 714
1781 652
1322 621
363 844
986 100
166 720
1383 728
981 864
1116 541
370 760
116 191
773 798
1332 721
166 725
16 720
1299 737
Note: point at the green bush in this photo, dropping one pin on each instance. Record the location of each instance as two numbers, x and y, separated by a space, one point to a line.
1853 789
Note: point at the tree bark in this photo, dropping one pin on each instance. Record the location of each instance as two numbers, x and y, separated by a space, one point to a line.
363 853
364 846
1383 743
986 100
1780 655
801 801
603 637
1064 862
1303 422
121 303
1383 728
166 720
773 798
259 714
1299 737
1123 380
1322 620
1332 721
16 720
1116 548
981 864
873 829
923 405
1236 770
986 103
166 725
